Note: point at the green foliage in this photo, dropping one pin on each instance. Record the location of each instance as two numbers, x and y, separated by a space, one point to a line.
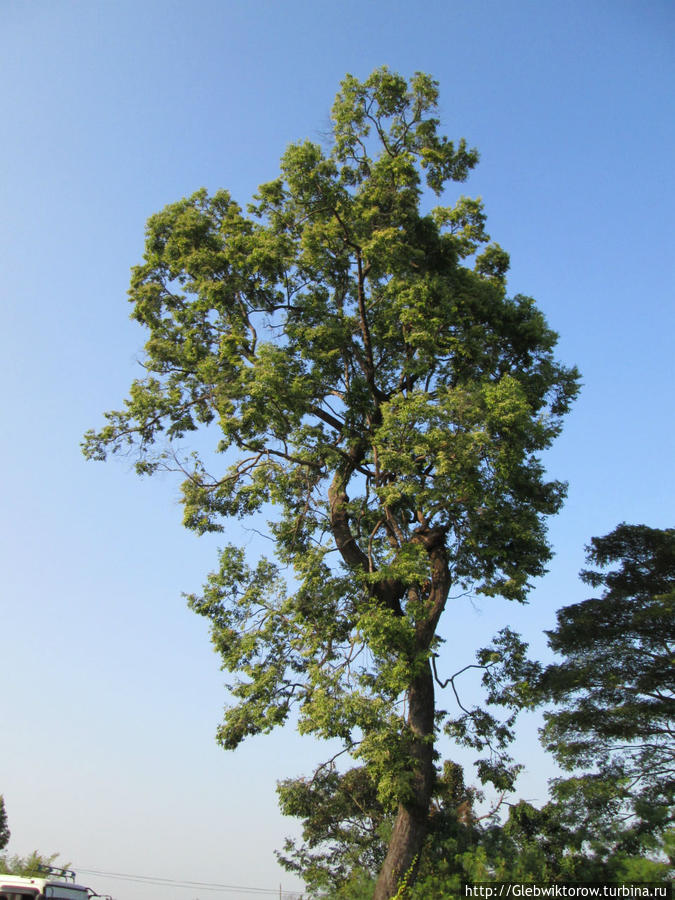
614 690
365 376
405 881
27 865
344 826
535 845
509 679
359 885
4 827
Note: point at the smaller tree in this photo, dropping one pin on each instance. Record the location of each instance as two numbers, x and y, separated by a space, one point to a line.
4 827
614 693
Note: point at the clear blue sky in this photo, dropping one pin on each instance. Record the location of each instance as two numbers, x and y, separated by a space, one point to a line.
109 110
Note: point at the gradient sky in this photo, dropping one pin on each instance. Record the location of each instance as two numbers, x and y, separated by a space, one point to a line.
111 109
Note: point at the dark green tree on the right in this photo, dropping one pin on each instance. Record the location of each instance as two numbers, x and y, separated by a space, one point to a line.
615 693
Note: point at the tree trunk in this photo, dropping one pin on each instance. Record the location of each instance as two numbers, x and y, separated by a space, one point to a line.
410 826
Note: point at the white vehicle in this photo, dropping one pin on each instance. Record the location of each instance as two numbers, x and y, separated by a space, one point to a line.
55 884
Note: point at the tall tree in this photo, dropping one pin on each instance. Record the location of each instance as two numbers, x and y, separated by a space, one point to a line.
370 379
615 691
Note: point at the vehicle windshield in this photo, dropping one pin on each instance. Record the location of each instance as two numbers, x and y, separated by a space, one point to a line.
66 892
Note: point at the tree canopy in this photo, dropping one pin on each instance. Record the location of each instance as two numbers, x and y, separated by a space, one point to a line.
362 377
